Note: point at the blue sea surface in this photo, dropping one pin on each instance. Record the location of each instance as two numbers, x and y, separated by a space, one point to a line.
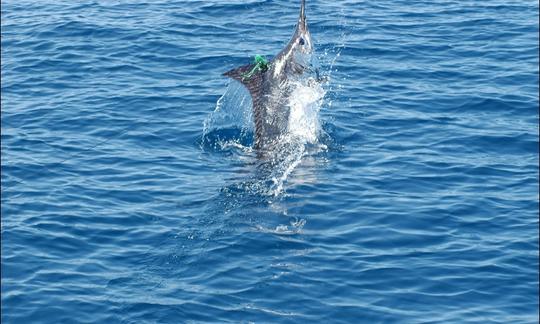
131 194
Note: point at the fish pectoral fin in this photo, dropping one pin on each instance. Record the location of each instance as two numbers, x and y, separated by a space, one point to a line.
250 76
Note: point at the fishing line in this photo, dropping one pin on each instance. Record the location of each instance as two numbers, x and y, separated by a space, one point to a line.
261 64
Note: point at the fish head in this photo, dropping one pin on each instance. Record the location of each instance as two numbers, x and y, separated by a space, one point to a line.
296 57
301 40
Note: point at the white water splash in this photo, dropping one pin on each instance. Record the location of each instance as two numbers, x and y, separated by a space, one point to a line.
305 104
303 130
234 112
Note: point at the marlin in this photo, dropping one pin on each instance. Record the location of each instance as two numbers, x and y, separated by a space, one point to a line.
268 83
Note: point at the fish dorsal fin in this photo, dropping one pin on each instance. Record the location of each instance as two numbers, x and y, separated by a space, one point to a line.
250 76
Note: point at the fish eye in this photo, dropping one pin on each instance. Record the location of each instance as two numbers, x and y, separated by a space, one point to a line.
301 41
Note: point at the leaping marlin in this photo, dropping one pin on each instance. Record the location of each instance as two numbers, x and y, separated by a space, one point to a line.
269 86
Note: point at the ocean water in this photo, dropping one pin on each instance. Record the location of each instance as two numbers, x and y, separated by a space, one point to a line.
406 191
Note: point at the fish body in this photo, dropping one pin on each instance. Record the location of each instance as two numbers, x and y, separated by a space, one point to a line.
270 83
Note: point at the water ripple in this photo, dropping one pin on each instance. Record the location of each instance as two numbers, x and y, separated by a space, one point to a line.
419 205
